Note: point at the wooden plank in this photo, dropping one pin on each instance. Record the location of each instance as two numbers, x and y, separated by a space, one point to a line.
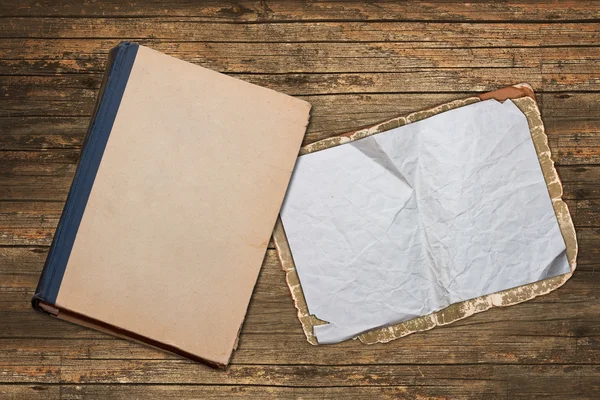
554 328
320 56
16 288
48 56
23 266
432 380
483 389
575 114
31 371
36 169
74 95
575 149
564 378
565 312
569 145
85 361
588 213
330 115
184 372
33 392
579 173
45 56
24 223
439 10
574 181
29 133
479 346
35 188
47 157
425 81
32 223
22 260
30 260
567 150
462 346
549 318
522 340
193 29
38 182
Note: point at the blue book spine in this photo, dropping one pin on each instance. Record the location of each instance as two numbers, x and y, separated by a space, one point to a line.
115 79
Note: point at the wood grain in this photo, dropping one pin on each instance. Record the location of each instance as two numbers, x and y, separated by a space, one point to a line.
57 118
358 63
194 29
513 387
263 11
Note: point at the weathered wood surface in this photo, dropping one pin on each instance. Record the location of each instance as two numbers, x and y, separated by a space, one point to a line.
357 63
262 11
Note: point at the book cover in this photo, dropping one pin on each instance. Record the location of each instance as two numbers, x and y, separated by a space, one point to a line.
178 187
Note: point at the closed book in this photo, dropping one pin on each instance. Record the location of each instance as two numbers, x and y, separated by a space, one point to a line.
178 187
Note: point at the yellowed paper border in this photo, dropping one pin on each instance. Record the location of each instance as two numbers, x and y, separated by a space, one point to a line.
466 308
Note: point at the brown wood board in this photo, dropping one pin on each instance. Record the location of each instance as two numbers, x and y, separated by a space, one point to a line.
51 56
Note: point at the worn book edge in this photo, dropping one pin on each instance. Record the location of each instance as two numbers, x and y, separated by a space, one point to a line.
119 66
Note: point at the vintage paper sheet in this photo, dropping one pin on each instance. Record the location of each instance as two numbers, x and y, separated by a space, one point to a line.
401 224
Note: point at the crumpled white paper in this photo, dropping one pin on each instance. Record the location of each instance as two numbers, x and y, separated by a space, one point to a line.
406 222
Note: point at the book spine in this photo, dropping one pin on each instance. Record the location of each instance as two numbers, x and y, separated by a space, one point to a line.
120 63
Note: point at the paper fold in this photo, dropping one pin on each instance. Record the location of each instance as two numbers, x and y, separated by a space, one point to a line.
367 296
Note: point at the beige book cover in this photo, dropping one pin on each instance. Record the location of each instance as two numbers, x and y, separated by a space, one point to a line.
168 219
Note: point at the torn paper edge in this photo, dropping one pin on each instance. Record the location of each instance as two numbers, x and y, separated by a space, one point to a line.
465 308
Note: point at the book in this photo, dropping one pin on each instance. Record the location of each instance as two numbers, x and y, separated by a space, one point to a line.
425 219
178 187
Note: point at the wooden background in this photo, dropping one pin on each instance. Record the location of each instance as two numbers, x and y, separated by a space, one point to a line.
357 64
